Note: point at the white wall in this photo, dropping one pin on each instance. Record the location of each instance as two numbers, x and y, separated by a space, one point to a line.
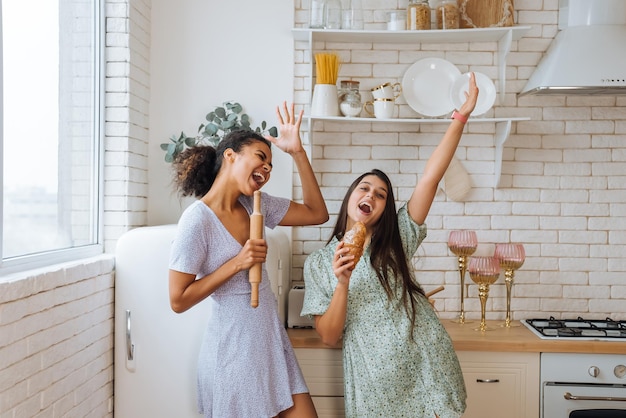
204 53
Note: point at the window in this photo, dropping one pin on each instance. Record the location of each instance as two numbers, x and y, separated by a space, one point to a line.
50 131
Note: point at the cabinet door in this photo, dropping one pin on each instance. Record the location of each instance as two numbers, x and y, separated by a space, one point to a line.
322 369
501 384
329 406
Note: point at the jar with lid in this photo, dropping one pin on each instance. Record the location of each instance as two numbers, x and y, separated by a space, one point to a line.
418 15
448 16
350 98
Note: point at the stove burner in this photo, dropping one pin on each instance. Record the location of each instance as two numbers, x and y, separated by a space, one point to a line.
579 328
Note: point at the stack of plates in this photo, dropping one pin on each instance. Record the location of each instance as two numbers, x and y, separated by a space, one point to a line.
434 87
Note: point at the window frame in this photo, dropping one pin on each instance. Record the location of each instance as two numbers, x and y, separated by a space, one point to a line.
49 258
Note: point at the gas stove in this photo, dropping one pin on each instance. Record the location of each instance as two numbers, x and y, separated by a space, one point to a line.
577 329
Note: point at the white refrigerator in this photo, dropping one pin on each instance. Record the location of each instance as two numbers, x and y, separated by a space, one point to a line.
156 349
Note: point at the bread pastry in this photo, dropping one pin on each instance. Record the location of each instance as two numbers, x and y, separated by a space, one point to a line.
354 240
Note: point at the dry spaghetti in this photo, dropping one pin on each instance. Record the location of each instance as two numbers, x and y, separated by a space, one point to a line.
326 68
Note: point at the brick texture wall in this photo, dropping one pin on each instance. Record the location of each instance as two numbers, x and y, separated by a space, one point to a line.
562 190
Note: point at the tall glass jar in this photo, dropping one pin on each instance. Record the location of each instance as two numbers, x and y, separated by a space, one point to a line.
333 14
317 14
418 15
447 12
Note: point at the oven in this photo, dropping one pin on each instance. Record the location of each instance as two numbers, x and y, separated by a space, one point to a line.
576 385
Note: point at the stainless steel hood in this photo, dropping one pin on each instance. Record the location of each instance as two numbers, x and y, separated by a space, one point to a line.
588 54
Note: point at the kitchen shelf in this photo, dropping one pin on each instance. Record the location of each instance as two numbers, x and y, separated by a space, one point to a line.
503 130
503 35
410 36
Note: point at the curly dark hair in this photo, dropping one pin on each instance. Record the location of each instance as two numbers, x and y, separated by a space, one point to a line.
387 253
196 168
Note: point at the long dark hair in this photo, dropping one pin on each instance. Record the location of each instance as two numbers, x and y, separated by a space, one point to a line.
387 254
196 168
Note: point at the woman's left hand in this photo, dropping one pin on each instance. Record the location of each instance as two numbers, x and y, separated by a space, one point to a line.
289 128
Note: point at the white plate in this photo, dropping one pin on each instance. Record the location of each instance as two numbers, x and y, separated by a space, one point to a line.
486 92
426 86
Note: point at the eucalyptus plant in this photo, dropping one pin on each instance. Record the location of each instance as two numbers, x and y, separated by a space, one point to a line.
222 120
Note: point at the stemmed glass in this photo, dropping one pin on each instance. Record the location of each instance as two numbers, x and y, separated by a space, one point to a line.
484 271
462 244
511 256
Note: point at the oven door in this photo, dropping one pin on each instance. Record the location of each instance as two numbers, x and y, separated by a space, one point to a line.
566 400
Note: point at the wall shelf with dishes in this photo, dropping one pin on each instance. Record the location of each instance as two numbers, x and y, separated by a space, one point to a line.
504 36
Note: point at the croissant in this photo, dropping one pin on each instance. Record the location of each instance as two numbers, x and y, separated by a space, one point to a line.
354 239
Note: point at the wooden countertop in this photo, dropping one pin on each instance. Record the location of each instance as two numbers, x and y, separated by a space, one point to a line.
514 339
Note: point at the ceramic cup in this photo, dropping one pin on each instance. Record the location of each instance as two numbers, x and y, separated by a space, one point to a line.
380 108
387 91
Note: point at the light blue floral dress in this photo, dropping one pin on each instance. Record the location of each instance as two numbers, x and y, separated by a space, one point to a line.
246 365
386 374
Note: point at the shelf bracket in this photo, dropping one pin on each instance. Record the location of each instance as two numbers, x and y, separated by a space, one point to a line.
503 130
504 47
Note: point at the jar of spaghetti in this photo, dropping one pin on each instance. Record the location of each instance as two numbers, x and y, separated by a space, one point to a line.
418 15
447 12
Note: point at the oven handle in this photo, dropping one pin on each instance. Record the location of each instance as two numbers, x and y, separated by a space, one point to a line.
568 396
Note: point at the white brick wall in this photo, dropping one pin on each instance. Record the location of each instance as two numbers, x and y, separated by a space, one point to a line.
126 129
563 174
56 351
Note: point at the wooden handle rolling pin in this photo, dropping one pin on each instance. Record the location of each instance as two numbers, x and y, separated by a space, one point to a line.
256 232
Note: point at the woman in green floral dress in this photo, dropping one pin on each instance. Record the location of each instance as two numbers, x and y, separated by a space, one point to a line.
398 358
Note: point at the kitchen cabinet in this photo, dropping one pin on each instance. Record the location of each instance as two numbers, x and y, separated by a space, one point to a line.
502 35
323 372
501 384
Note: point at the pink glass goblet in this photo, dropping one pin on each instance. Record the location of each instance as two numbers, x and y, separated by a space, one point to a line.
463 244
511 256
484 271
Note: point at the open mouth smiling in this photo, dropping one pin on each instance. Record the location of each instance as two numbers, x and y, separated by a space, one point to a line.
258 177
365 207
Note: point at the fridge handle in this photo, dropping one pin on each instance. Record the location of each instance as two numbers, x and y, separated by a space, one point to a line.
130 347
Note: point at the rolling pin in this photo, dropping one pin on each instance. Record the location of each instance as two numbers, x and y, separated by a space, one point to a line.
256 232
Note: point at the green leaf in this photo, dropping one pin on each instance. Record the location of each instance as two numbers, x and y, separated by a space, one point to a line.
228 124
190 142
164 147
220 112
211 129
236 107
273 132
232 117
245 119
263 125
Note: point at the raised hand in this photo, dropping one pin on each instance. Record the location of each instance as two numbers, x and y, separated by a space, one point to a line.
289 139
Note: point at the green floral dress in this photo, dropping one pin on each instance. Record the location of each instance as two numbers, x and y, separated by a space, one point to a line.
386 373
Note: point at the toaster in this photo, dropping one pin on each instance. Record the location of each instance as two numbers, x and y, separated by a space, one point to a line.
296 299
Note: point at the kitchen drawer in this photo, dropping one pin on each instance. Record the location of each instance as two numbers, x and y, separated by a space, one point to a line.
322 369
329 406
501 384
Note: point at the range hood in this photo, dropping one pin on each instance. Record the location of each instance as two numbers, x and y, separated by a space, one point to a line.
588 54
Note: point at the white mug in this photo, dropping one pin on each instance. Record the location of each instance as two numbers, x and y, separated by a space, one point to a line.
387 91
382 108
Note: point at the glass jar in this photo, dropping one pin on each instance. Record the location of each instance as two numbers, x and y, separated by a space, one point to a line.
317 14
447 12
350 98
333 14
418 15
